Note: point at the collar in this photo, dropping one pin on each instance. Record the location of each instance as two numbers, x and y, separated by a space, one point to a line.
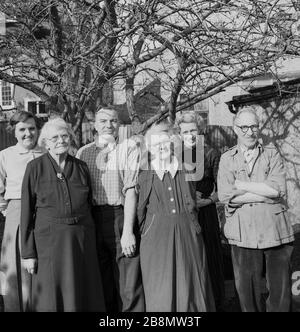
234 150
244 150
110 146
21 150
172 168
258 146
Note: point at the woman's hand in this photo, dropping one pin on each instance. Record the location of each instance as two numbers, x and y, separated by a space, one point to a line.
201 202
30 264
3 212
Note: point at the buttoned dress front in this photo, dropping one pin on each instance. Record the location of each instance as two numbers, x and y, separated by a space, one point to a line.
57 228
173 259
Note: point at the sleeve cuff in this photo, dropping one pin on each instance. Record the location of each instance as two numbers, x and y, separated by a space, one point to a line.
33 256
3 205
133 185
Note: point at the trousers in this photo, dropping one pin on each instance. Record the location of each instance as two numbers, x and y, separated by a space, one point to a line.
248 266
121 275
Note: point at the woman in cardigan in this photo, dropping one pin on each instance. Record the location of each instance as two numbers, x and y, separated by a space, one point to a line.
172 252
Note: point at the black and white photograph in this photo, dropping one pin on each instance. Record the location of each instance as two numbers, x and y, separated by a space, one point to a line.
150 159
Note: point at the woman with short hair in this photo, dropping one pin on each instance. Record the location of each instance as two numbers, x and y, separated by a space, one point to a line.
172 252
57 229
14 279
190 127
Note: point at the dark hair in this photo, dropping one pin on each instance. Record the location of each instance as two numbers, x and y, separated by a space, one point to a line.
21 116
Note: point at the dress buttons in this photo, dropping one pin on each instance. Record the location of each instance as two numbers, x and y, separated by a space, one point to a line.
173 211
172 199
170 188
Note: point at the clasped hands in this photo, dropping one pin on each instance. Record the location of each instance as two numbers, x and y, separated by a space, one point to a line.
201 202
128 244
30 264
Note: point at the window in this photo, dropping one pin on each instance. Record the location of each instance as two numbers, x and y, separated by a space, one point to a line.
6 94
36 107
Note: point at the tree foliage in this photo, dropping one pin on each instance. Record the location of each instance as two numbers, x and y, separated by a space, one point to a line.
70 52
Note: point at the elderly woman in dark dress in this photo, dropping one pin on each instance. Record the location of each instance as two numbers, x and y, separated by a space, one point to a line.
173 260
190 128
57 229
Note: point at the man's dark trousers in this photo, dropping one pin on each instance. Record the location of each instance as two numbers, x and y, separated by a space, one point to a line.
248 271
121 276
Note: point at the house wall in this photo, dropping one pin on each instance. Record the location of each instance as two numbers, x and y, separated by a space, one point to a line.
280 119
21 96
219 114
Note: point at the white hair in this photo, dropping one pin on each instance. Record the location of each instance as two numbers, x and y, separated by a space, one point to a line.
57 123
249 110
156 129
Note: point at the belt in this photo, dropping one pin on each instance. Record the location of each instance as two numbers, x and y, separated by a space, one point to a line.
108 207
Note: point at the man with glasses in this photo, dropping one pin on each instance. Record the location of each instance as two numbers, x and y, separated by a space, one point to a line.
252 184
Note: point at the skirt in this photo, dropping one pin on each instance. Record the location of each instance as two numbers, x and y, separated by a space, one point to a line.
174 268
15 282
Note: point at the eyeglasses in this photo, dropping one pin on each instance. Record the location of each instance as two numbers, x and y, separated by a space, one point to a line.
55 138
244 129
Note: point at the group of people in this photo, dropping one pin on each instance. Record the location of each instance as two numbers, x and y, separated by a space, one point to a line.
132 225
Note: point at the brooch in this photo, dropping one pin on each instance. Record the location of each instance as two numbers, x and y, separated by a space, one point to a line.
59 176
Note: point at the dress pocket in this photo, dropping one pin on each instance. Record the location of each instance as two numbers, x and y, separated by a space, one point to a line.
148 223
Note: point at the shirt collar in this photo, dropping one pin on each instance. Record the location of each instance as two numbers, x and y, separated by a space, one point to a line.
244 150
111 146
238 148
21 150
172 168
256 147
